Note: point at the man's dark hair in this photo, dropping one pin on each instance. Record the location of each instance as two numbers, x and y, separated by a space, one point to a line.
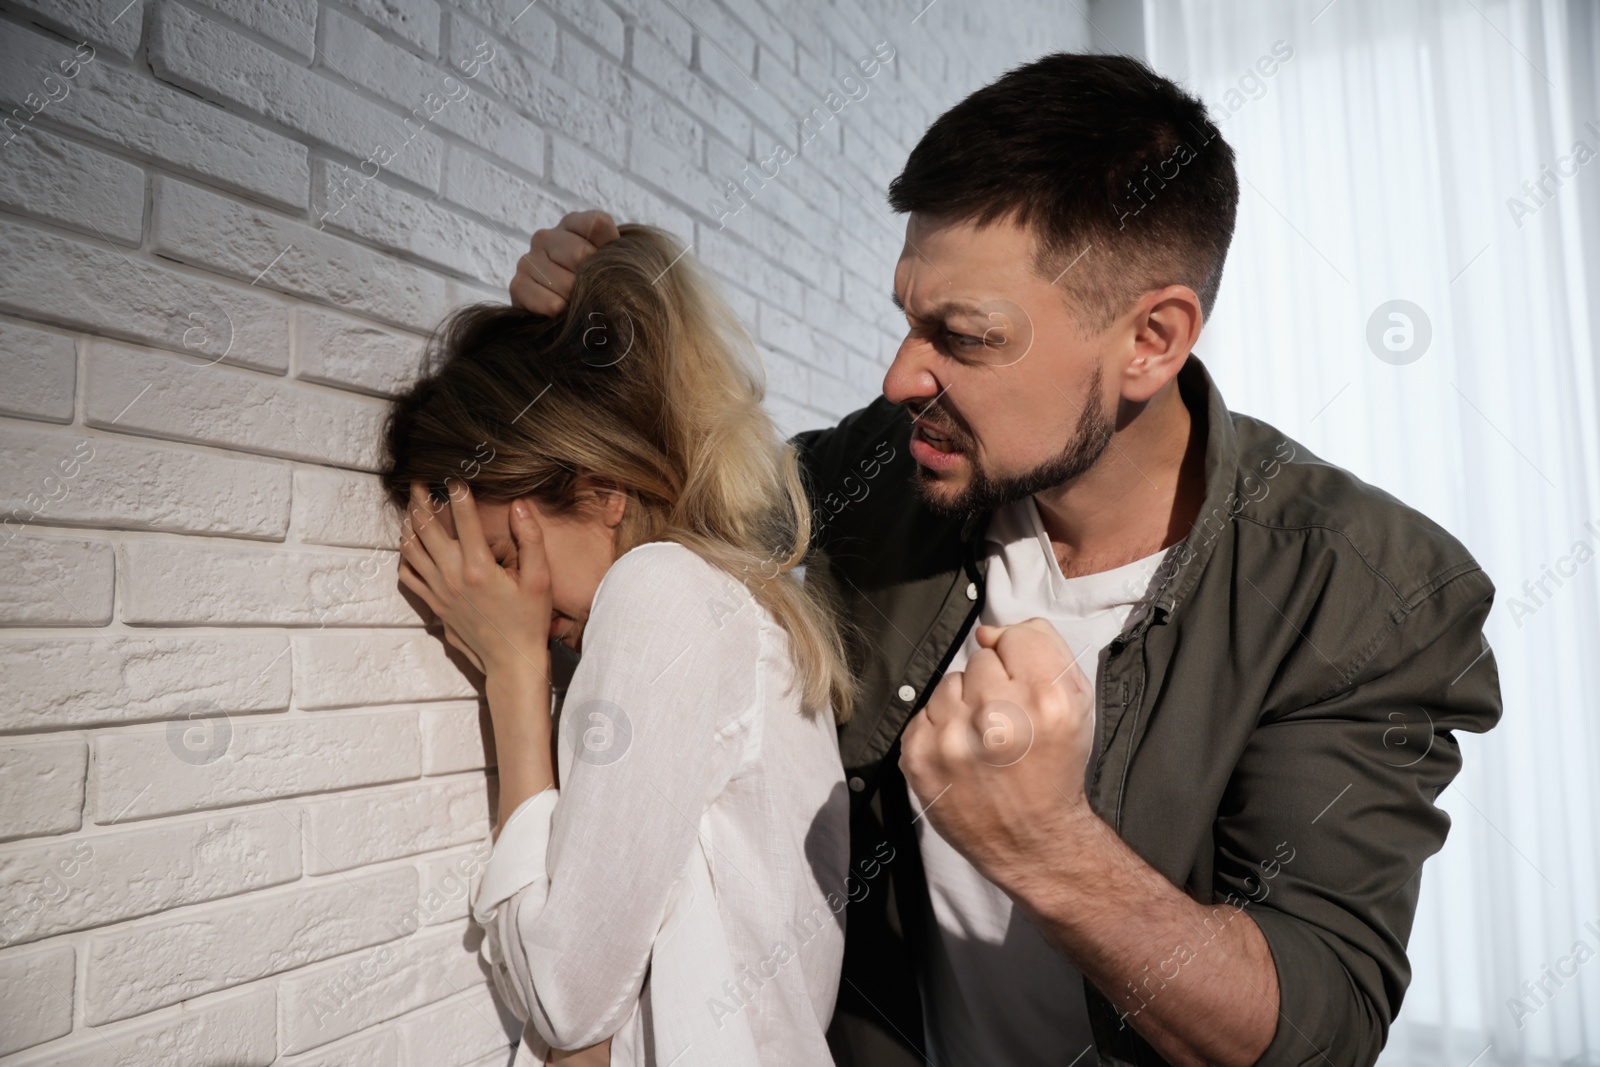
1123 178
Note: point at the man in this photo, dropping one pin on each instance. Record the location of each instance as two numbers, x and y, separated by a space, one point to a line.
1170 797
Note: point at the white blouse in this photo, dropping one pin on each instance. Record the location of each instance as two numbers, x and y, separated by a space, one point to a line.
684 890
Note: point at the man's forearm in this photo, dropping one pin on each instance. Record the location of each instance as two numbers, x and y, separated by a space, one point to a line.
1197 981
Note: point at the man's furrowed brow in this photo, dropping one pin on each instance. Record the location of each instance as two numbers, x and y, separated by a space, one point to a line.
949 309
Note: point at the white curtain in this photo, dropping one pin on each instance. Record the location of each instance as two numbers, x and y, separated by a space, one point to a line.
1383 150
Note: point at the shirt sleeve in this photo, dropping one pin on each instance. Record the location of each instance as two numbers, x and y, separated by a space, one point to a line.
1331 812
657 719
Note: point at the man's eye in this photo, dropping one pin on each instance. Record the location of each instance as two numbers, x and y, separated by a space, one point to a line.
961 341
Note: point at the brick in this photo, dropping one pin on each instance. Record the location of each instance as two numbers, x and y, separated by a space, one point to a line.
464 1026
393 821
774 36
343 508
793 252
787 379
339 350
198 53
670 72
195 226
74 885
667 167
112 26
785 333
41 789
234 1029
446 99
341 997
832 393
372 1048
828 316
732 74
596 22
455 737
415 20
646 107
485 189
292 23
141 773
416 228
347 669
36 996
446 884
133 390
596 184
75 186
733 259
58 477
104 291
721 34
147 965
530 85
155 121
57 581
40 370
529 28
81 680
668 26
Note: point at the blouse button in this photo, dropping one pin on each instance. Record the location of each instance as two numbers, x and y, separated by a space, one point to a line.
857 785
907 693
972 590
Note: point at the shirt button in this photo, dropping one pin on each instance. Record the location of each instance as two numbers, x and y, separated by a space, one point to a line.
972 590
857 785
907 693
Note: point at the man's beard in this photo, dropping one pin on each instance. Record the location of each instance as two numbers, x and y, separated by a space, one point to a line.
985 492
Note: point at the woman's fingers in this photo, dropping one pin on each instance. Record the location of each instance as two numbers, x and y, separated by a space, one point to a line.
532 566
414 553
418 585
475 553
440 544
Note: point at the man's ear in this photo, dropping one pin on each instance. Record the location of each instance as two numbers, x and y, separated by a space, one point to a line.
1164 330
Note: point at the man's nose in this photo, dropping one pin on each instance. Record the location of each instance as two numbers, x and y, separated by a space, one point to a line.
908 376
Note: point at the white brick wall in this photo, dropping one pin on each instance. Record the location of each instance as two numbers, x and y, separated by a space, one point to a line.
242 792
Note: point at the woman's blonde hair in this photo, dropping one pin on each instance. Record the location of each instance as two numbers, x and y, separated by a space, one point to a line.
646 382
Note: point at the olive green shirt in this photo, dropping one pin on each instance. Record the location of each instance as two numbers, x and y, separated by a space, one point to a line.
1274 732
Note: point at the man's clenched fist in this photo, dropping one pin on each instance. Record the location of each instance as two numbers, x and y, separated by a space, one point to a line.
545 274
997 755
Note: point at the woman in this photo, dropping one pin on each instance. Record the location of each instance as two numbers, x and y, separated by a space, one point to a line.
673 878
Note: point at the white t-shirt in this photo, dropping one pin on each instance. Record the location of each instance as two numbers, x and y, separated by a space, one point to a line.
997 993
685 888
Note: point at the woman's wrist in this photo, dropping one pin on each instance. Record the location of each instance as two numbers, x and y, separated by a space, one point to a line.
519 700
519 707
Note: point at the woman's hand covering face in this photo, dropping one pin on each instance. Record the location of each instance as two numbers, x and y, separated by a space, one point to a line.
497 615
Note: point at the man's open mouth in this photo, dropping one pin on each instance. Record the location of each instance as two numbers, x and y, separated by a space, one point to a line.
936 450
942 441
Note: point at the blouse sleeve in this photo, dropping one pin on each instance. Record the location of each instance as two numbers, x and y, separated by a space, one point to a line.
657 717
